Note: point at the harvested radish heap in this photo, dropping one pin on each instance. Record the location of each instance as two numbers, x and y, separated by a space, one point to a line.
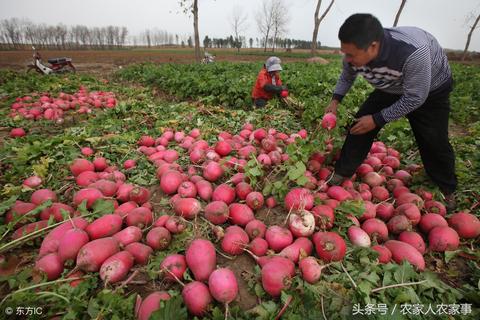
48 107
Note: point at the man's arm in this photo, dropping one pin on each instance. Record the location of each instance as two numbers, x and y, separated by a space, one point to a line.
344 82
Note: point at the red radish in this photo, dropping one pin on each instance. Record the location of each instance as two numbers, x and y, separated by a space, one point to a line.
384 211
404 176
255 229
158 238
42 195
161 221
398 191
170 181
380 193
373 179
392 184
86 178
465 224
299 198
329 121
100 164
299 248
414 239
196 297
271 202
376 229
384 254
223 148
32 182
92 255
187 190
51 265
223 285
116 267
324 217
278 237
204 189
187 208
175 264
358 237
217 212
197 156
430 221
58 210
140 252
310 269
80 165
195 133
243 189
17 133
128 235
170 156
129 164
402 251
89 195
370 211
29 228
19 209
104 226
329 246
107 187
432 206
146 141
338 193
254 200
301 224
399 223
52 239
363 169
240 214
175 225
409 197
443 239
87 151
125 208
224 193
213 171
201 258
235 240
70 244
258 246
139 195
151 304
277 275
238 178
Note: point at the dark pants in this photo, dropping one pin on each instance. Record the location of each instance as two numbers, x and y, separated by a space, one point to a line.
429 124
260 103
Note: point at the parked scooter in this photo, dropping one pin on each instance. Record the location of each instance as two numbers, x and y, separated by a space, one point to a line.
57 65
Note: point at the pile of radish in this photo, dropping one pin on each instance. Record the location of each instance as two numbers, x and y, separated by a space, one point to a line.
399 223
46 106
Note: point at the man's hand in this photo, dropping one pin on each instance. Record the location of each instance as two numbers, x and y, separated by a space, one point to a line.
332 107
363 125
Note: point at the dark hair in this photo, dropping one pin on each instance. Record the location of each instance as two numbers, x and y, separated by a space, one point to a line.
361 29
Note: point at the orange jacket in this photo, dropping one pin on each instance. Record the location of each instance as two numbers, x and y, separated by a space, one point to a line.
264 78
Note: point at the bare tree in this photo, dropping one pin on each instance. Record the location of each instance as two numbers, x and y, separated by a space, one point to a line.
238 22
280 20
317 20
192 6
399 12
472 28
264 20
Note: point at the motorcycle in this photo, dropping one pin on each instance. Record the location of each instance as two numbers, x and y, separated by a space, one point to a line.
57 65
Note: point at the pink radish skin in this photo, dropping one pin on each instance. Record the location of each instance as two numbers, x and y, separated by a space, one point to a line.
242 189
107 187
411 211
204 189
42 195
430 221
300 247
32 182
51 265
223 285
235 240
299 198
310 269
56 211
151 304
329 246
116 267
255 229
399 223
176 264
370 211
403 251
187 190
384 254
384 211
89 194
217 212
258 246
433 206
104 226
100 164
140 252
92 255
442 239
140 195
271 202
196 297
358 237
301 224
140 217
70 244
329 121
465 224
413 239
255 200
201 258
158 238
187 208
224 193
338 193
324 216
125 208
409 197
51 241
278 238
175 225
276 275
29 228
128 235
170 181
213 171
161 221
80 165
240 214
123 192
376 229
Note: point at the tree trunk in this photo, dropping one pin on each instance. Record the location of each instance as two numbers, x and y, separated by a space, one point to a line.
464 55
195 27
317 21
397 17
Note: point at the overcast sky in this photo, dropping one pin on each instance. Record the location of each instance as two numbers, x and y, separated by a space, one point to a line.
445 19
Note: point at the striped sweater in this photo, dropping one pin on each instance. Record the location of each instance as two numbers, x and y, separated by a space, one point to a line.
410 63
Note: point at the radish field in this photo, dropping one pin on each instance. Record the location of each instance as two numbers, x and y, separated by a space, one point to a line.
159 192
